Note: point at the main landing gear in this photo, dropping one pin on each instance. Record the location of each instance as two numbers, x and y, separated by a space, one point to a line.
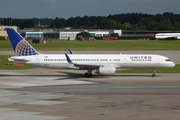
88 74
154 74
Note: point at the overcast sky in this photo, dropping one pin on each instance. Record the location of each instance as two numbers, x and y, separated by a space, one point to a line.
72 8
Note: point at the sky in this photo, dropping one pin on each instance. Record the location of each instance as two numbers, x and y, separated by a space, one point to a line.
73 8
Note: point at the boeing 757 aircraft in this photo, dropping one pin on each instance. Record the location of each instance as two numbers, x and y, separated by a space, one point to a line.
104 64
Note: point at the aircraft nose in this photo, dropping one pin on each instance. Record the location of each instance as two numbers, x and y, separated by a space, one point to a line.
172 64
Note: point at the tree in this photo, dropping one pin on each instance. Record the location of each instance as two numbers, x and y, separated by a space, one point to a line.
128 21
84 34
17 22
58 23
176 25
7 21
126 26
115 35
28 24
107 23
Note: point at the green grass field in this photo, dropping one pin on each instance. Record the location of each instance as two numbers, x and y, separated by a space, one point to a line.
98 45
6 65
102 45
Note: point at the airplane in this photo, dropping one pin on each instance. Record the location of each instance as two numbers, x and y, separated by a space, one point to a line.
167 36
103 64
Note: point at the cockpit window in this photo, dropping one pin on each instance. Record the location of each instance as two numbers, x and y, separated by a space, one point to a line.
167 60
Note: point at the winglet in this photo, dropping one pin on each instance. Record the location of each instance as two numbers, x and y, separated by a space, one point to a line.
70 51
68 59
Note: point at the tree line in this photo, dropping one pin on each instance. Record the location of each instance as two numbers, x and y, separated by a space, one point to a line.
129 21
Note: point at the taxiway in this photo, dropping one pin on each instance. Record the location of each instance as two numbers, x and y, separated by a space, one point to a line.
54 94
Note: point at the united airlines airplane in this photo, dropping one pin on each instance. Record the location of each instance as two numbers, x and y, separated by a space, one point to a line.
167 36
104 64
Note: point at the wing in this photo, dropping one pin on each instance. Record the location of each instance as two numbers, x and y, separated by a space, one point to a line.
82 66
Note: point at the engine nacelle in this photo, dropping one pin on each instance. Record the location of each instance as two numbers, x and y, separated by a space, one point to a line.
106 70
178 37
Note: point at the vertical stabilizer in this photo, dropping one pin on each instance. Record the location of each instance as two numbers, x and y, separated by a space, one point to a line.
20 45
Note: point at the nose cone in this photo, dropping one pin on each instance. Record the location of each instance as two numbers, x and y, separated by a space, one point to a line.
172 64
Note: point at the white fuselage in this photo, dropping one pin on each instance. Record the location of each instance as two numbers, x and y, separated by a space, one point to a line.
115 60
167 35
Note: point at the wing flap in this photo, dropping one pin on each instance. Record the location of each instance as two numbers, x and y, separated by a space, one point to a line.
86 66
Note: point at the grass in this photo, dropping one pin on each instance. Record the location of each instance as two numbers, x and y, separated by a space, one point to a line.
102 45
6 65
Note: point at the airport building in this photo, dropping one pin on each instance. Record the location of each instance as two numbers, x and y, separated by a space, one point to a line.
61 34
34 34
65 34
68 35
3 32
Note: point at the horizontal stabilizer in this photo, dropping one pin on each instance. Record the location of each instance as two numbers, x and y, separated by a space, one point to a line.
18 58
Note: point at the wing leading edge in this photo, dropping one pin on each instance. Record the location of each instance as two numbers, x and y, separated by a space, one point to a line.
82 66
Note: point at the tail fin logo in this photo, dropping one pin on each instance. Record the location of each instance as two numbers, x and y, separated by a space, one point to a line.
21 46
24 49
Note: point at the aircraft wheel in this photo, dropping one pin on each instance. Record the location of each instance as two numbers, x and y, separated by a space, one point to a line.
86 74
90 75
153 75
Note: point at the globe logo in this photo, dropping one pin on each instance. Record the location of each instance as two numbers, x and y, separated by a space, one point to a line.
24 49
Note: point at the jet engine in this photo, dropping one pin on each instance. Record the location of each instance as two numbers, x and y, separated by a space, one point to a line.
178 37
106 70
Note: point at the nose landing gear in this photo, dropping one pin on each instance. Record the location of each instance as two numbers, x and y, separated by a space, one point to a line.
154 74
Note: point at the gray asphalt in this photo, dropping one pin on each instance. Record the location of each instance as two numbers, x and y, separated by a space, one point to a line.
24 91
123 84
64 94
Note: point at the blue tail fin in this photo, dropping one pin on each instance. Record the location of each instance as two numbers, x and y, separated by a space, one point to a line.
20 45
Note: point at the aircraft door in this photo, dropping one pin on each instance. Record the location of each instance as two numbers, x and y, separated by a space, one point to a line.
37 59
158 60
124 60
